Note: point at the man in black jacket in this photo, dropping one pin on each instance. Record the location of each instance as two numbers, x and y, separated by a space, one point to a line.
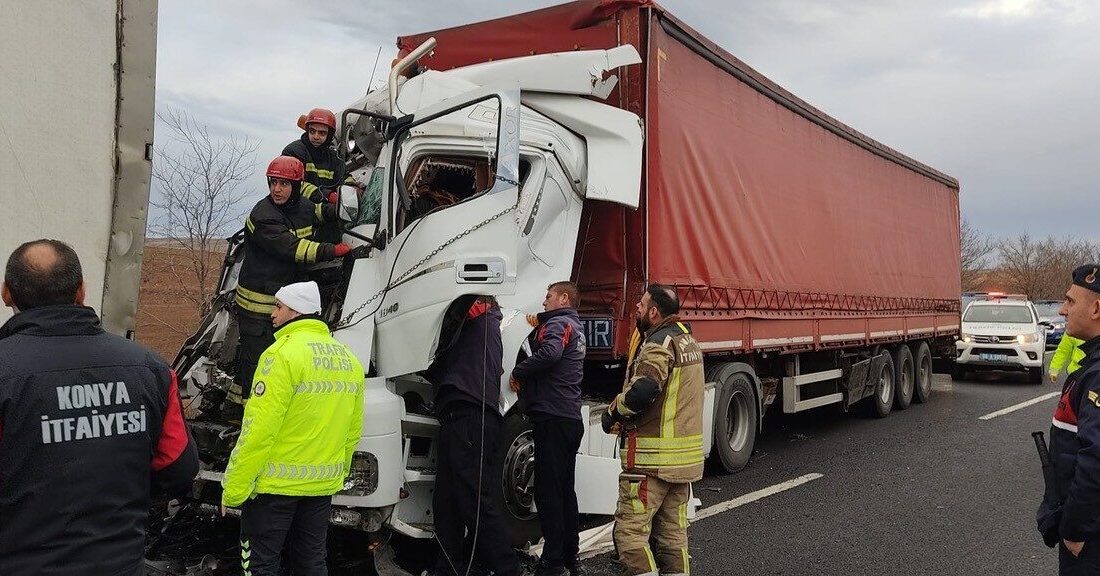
467 379
1072 519
278 251
90 427
549 385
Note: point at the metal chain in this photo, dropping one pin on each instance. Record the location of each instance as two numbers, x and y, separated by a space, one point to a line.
347 319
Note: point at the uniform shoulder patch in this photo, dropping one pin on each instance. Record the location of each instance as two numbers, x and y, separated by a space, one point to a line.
259 388
1094 398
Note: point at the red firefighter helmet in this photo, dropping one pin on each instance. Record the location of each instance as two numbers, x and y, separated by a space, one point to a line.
286 168
318 116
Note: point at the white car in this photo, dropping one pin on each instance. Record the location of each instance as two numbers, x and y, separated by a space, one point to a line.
1001 334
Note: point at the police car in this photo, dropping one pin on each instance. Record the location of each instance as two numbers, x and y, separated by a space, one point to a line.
1001 332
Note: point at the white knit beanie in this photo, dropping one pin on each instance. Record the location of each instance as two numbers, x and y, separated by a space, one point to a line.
302 297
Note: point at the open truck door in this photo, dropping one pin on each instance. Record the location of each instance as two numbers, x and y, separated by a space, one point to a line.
447 228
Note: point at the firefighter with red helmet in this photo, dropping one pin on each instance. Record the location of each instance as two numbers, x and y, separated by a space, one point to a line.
325 168
278 249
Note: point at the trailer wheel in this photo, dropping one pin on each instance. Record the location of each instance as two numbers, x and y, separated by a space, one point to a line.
882 401
514 471
735 424
922 361
904 377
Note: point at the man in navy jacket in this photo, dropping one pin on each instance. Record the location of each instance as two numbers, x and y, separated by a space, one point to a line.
90 428
1070 516
549 385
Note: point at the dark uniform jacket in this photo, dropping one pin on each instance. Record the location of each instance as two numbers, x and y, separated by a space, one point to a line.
469 370
325 169
551 377
325 172
90 427
1075 452
278 249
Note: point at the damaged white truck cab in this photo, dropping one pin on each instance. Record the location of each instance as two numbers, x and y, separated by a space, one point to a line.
476 189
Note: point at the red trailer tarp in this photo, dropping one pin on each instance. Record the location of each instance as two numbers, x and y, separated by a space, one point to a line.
756 205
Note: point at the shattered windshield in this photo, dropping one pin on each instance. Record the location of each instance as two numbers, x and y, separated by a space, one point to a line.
370 205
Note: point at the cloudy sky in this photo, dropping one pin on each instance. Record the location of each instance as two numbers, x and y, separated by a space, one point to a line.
1001 94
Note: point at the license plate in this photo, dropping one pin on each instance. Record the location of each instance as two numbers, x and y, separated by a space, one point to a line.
597 332
993 357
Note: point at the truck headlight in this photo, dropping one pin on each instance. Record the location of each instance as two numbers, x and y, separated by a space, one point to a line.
1028 338
968 338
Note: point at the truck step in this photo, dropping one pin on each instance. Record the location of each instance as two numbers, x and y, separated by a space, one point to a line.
419 425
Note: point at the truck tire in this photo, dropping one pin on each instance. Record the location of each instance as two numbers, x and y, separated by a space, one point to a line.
1035 375
513 472
736 421
882 401
904 377
958 372
922 364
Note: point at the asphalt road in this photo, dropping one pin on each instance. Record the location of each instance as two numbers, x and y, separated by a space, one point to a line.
928 490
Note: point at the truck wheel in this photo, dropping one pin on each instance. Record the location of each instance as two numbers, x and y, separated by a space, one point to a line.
514 472
922 363
1035 375
883 399
958 372
736 419
904 376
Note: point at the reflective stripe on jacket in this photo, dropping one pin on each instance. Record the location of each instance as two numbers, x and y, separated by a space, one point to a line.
666 439
304 418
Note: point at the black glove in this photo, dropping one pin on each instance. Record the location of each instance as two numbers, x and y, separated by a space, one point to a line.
359 252
608 420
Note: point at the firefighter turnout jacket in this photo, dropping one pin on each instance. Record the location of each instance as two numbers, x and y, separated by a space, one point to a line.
325 169
304 418
278 248
661 406
90 429
1075 452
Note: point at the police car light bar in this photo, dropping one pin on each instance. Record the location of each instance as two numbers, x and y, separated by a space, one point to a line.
1003 296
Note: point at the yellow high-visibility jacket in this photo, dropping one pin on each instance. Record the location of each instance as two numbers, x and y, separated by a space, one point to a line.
304 418
1068 355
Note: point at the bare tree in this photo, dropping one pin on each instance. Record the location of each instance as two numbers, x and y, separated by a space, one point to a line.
1022 265
198 176
1041 269
1058 258
977 248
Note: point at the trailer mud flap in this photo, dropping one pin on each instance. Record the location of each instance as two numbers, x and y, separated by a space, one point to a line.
861 378
857 378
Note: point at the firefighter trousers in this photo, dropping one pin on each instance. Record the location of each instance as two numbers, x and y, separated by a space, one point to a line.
300 523
649 506
256 334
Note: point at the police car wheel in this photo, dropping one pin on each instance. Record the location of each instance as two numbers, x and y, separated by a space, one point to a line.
922 363
1035 375
882 401
513 470
904 377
